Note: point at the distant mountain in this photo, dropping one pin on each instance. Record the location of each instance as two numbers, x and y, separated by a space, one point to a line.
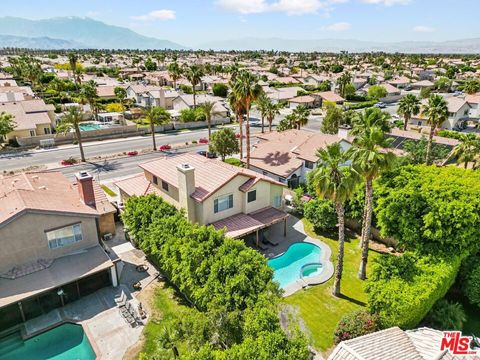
337 45
91 33
45 43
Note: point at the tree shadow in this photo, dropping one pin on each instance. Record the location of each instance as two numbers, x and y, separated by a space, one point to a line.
352 300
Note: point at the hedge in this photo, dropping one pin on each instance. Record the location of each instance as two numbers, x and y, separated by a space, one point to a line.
403 289
321 213
361 105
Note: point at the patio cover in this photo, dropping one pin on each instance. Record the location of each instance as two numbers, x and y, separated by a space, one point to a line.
62 271
243 224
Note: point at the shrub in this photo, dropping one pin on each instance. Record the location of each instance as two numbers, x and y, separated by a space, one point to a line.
471 286
220 90
234 161
361 105
321 213
354 324
403 289
446 315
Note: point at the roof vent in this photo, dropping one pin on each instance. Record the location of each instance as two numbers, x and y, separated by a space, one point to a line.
43 187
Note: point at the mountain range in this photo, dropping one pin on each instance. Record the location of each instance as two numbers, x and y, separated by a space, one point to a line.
77 33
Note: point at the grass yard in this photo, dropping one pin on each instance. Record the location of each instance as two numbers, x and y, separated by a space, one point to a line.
319 309
108 191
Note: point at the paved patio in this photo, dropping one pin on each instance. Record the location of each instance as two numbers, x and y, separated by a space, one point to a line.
295 234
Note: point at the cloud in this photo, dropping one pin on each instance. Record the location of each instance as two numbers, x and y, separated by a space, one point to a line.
423 29
93 13
155 15
339 26
388 2
289 7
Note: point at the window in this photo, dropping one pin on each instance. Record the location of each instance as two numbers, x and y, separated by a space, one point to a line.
64 236
252 196
277 201
47 130
33 133
155 180
223 203
164 185
309 164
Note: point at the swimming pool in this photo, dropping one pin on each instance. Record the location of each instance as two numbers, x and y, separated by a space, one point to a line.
88 127
64 342
299 261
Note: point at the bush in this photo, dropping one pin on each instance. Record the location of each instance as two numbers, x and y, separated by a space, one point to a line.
403 289
321 213
220 90
234 162
446 315
471 286
354 324
361 105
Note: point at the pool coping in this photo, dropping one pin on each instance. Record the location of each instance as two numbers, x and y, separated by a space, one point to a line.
323 277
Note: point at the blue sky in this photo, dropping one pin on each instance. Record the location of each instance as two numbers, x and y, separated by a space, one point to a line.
193 22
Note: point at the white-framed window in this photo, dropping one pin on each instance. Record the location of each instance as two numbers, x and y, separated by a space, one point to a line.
223 203
277 201
64 236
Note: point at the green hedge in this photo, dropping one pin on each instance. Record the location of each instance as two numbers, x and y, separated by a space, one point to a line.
403 289
361 105
321 213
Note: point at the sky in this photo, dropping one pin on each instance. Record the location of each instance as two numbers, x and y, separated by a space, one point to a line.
195 22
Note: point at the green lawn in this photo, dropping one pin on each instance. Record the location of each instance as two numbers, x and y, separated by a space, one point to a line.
319 309
108 191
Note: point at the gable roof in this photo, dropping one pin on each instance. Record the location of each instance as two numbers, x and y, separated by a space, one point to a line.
329 96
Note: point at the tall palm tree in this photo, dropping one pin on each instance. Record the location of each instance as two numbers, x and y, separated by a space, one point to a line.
247 90
370 158
156 115
71 121
175 72
300 116
336 181
208 109
471 86
72 60
368 118
408 106
194 74
263 103
467 151
272 111
88 94
436 112
237 107
343 81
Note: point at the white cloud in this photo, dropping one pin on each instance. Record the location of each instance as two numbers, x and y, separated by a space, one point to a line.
340 26
289 7
92 13
156 15
388 2
424 29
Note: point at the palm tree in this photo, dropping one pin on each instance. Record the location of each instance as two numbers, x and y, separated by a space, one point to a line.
467 151
73 59
71 121
156 115
336 181
263 104
408 106
237 107
88 94
343 81
436 111
300 116
247 90
368 118
175 72
208 109
370 159
471 86
272 111
194 74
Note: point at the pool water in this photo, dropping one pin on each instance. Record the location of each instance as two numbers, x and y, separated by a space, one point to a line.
64 342
291 265
88 127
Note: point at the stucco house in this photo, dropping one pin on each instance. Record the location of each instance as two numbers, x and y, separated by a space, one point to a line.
458 111
211 192
50 239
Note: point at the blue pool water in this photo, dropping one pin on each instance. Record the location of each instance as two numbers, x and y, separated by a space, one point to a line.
65 342
88 127
295 263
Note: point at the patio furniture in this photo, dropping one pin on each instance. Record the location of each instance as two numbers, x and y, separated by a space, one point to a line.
121 300
127 316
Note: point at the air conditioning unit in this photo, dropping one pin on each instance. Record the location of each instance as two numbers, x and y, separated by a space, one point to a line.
107 237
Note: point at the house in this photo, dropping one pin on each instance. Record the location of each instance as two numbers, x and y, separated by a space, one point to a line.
329 96
161 97
283 94
474 101
289 156
305 100
32 118
395 343
108 92
458 111
15 93
400 82
186 102
423 84
314 80
139 93
393 94
211 192
50 239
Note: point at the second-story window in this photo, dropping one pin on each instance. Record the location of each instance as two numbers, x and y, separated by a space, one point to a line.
223 203
252 196
164 185
309 164
64 236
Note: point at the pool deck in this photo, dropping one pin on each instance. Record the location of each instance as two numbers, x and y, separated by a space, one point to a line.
296 234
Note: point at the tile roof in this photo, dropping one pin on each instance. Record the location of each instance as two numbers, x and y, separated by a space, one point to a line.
303 99
210 175
42 191
137 186
28 114
329 96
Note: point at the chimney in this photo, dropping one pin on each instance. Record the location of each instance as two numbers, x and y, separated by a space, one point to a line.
343 131
186 187
85 188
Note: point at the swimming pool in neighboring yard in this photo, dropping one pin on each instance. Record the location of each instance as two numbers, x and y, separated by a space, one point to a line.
301 260
64 342
88 127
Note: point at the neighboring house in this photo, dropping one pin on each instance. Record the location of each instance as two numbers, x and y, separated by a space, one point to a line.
211 192
283 94
186 102
139 93
288 156
458 111
49 236
400 82
32 118
15 93
393 94
329 96
314 80
423 84
395 343
108 92
305 100
474 102
162 97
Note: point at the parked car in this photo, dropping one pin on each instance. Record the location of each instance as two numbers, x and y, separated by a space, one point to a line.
408 88
380 105
255 122
210 155
165 147
203 141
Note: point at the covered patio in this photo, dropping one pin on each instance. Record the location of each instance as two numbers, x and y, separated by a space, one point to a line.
241 225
